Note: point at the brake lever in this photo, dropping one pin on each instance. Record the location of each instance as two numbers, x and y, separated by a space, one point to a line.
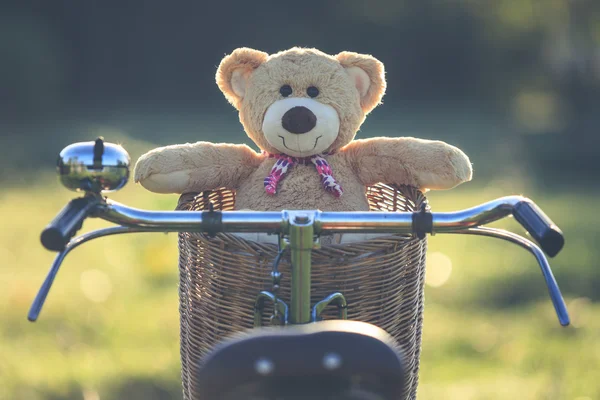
555 295
40 298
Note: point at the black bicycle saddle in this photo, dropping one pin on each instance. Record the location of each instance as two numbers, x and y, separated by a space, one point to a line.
326 360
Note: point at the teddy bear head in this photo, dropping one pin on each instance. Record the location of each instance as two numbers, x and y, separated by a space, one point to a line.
301 102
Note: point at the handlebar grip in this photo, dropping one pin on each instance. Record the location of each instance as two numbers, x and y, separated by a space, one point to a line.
539 226
66 224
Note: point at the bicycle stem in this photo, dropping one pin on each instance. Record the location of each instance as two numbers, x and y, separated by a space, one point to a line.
301 241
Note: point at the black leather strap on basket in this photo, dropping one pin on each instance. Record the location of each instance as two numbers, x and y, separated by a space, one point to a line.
422 222
212 222
540 227
66 224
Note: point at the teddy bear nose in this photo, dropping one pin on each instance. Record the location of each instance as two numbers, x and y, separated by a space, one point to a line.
298 120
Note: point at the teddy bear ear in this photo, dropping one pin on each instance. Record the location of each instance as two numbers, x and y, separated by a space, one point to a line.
235 70
368 75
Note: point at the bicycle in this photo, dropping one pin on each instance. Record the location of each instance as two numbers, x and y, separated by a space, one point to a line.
310 357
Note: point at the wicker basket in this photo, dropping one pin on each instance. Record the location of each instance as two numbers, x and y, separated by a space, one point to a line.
220 277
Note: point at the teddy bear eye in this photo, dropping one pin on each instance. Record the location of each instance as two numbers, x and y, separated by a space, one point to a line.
312 91
285 90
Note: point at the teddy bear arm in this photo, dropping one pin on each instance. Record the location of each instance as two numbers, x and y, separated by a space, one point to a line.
195 167
425 164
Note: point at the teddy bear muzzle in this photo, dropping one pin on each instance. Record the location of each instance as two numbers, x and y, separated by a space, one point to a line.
300 127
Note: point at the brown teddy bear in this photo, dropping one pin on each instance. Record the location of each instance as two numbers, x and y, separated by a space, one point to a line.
302 108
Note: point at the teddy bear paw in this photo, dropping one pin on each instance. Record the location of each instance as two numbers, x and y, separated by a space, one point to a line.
451 168
155 173
143 169
461 165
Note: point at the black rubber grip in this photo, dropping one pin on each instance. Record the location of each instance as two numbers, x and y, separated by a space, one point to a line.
540 227
66 224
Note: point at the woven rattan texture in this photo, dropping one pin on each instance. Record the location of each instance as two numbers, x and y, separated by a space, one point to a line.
220 277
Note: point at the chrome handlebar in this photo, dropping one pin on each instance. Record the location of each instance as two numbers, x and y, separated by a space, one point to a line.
325 222
417 223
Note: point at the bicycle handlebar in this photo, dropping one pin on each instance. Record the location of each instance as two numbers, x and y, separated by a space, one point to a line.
57 235
531 217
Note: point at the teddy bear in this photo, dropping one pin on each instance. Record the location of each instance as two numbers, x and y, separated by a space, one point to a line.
302 108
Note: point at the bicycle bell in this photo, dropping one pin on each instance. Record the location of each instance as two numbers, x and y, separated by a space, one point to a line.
94 167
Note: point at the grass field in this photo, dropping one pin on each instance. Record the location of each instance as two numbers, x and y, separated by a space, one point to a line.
109 329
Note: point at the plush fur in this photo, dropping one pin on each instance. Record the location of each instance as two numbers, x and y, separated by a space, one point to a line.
350 83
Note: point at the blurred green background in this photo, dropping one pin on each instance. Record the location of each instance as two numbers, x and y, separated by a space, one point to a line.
515 83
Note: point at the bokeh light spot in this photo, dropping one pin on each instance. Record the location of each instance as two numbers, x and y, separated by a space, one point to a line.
439 269
95 285
90 394
538 112
485 338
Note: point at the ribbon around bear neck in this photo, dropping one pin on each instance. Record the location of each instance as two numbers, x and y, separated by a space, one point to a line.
285 162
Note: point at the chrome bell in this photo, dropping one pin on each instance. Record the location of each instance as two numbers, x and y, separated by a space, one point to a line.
93 166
